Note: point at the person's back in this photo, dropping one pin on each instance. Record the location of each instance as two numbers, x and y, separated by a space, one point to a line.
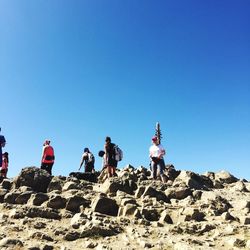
89 161
48 157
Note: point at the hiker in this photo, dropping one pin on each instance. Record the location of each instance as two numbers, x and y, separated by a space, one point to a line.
48 157
156 153
89 161
2 144
5 164
110 161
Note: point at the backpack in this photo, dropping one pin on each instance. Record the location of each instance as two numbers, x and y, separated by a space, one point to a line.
118 154
91 158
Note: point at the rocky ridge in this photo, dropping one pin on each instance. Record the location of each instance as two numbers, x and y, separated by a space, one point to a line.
130 211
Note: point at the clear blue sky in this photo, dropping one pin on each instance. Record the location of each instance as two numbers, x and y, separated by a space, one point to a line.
77 71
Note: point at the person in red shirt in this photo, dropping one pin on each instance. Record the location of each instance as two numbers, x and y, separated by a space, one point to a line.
5 164
48 157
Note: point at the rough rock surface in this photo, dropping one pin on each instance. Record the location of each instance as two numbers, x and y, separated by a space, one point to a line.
130 211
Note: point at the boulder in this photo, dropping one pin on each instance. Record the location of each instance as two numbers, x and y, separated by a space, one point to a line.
225 177
3 192
193 214
36 178
150 214
115 184
74 202
105 205
6 184
151 192
127 210
57 202
56 184
38 199
192 180
11 197
23 197
91 177
10 243
165 217
178 193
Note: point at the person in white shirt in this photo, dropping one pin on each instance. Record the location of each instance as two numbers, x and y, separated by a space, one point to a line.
156 153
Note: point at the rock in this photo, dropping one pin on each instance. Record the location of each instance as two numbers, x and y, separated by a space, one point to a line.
151 192
192 180
150 214
239 186
70 185
40 236
128 210
178 193
6 184
170 172
91 177
57 202
105 205
245 220
215 202
71 236
115 184
241 204
227 216
46 213
23 197
3 192
165 217
225 177
55 184
90 230
78 219
11 243
139 192
36 178
11 197
74 202
38 199
193 214
234 242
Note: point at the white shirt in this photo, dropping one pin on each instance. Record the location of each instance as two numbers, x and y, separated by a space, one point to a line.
156 150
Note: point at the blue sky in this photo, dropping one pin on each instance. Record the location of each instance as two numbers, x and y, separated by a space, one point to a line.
77 71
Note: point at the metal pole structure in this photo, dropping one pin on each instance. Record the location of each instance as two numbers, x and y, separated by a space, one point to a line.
158 132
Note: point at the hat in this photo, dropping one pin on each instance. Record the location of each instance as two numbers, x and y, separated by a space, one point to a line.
154 138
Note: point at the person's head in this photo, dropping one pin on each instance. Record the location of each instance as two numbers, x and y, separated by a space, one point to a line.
5 154
101 153
155 140
46 142
108 139
86 150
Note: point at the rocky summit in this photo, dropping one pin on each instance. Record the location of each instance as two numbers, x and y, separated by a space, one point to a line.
130 211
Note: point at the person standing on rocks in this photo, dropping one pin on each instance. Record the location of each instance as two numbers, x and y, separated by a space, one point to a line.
156 153
89 161
5 164
48 157
2 144
110 160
